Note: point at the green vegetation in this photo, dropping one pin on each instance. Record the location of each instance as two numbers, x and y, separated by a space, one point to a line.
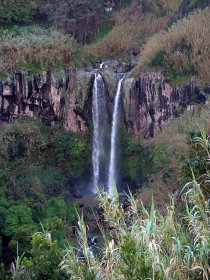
35 169
17 11
140 242
103 31
161 32
44 261
166 237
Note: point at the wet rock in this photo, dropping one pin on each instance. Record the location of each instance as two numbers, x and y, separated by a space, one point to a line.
110 79
207 90
114 65
149 102
124 67
77 193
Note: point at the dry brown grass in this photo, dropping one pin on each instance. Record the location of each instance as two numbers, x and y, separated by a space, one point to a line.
132 28
22 47
170 6
185 44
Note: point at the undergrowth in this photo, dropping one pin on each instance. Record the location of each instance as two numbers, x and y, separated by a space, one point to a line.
138 242
146 244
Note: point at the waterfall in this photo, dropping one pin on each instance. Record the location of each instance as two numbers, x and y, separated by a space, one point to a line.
115 121
100 122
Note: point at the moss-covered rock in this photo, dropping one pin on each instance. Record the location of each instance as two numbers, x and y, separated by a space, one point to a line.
110 78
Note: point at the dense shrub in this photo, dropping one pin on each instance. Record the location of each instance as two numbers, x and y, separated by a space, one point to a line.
17 11
73 152
36 165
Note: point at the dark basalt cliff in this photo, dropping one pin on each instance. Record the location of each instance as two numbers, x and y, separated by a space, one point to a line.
47 98
149 101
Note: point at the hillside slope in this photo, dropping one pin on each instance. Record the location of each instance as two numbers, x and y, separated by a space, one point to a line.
167 35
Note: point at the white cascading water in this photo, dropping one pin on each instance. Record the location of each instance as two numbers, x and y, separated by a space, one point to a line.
96 146
115 121
100 122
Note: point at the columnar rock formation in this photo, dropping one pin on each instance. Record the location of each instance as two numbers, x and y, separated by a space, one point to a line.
148 101
32 95
47 98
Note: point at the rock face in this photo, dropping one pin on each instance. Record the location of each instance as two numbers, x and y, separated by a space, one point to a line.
47 98
78 101
150 102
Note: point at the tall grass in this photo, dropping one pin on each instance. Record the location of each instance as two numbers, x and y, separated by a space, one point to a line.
181 50
22 48
145 244
132 28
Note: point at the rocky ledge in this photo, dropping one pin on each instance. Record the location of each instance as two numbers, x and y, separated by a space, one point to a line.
148 102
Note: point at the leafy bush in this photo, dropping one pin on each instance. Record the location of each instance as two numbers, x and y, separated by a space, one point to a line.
58 207
17 215
73 152
21 140
44 262
159 59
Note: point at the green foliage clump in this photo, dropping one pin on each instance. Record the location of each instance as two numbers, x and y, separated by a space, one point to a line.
137 161
73 150
57 206
159 59
17 11
21 140
199 150
17 216
44 261
134 264
35 170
